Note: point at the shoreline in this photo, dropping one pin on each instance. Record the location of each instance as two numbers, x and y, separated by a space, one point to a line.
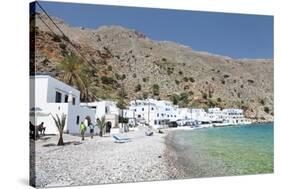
188 128
171 157
183 157
102 161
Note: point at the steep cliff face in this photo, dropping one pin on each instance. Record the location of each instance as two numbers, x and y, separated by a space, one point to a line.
160 69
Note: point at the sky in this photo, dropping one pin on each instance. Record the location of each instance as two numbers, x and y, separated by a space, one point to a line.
233 35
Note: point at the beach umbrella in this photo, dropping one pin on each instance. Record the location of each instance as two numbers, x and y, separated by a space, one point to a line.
37 112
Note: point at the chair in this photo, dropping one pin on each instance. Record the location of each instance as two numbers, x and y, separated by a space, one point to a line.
148 133
120 139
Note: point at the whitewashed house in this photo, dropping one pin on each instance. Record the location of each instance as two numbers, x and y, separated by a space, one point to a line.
189 116
199 115
216 115
130 115
108 109
229 116
184 117
53 97
234 116
157 114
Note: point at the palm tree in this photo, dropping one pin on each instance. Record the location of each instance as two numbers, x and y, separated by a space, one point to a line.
121 104
60 123
72 68
101 124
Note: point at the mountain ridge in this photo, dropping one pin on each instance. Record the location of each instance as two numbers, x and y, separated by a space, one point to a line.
131 59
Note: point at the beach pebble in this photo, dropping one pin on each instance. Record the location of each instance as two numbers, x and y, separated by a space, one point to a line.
101 161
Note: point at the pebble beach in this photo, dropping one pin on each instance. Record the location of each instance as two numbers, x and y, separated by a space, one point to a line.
102 161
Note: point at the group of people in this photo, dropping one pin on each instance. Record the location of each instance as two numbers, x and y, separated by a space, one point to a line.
83 128
34 130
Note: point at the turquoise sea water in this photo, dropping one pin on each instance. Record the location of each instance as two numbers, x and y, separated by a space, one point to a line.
224 151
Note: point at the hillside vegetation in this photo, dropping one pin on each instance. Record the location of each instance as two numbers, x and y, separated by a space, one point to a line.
123 64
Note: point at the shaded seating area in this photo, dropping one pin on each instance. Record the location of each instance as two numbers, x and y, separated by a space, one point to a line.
35 130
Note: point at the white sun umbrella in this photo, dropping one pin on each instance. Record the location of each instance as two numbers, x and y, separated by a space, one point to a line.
37 112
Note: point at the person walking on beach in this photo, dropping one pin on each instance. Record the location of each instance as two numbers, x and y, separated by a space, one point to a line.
82 129
91 126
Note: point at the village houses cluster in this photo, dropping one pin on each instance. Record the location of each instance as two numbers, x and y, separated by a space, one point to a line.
51 96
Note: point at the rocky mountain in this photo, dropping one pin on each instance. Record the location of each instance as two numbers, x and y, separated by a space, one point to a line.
124 61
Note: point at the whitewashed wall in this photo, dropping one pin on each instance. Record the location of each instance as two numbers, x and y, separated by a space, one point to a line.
43 97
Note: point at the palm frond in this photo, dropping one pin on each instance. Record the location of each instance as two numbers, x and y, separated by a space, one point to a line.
59 122
63 120
56 122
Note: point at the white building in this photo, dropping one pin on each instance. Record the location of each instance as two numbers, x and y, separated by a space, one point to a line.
199 115
216 115
189 116
229 116
130 115
234 116
108 109
158 114
55 97
184 117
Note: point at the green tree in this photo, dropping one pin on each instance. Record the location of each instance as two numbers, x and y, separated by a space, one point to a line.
107 80
175 99
204 95
266 109
262 101
191 79
121 104
138 88
60 124
184 96
62 46
101 125
56 38
155 89
72 73
109 68
123 77
144 95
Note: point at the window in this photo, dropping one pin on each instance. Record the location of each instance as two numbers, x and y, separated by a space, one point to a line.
139 116
142 109
155 122
58 96
106 109
73 101
77 119
66 98
158 115
152 108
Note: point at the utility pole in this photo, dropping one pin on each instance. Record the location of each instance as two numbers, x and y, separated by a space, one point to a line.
122 96
148 112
